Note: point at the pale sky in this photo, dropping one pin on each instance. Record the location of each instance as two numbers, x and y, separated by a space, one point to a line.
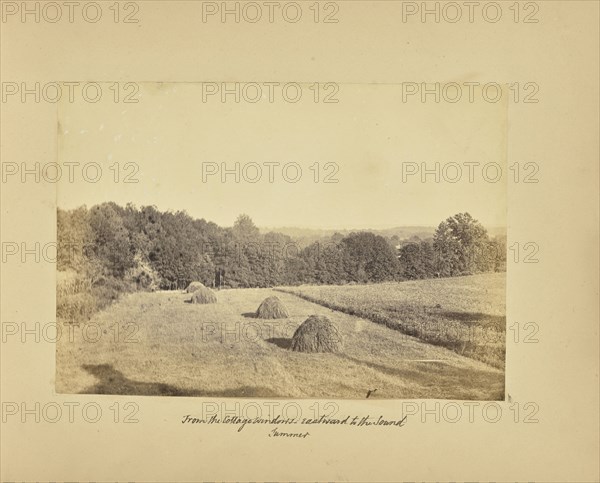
367 136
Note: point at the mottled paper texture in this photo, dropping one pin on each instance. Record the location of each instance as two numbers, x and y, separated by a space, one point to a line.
61 422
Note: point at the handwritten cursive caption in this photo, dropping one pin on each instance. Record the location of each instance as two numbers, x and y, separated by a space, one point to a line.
278 421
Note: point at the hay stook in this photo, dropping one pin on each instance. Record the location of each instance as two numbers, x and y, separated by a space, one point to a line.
192 287
272 308
317 334
203 295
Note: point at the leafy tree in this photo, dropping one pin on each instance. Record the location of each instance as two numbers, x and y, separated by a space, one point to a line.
371 257
111 243
145 247
244 228
417 260
461 246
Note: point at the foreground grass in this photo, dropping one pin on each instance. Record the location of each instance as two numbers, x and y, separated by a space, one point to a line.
156 344
463 314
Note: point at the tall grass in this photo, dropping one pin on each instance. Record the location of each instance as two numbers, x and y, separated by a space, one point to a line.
78 298
465 315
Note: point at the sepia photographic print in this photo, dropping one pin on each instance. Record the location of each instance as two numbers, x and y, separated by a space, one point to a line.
320 240
273 240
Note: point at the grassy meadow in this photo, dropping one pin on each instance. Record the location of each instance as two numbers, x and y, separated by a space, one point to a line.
154 343
464 314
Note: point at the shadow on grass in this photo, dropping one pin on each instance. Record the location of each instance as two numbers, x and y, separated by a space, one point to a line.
249 315
450 380
281 342
390 371
112 381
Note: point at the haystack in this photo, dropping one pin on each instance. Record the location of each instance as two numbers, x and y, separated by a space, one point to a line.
317 334
192 287
204 295
272 308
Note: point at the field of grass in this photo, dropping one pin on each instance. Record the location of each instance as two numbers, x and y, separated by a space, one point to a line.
464 314
157 344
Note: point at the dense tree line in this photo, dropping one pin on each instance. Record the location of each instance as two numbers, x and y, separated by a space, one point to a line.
152 249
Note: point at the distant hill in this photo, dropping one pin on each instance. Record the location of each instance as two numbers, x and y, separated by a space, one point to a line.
306 236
